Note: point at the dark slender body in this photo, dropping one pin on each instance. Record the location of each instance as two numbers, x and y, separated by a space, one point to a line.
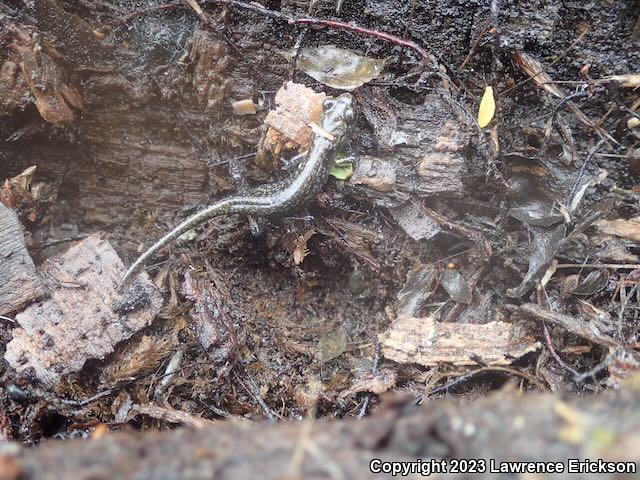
282 196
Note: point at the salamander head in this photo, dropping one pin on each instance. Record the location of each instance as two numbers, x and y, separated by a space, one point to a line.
338 115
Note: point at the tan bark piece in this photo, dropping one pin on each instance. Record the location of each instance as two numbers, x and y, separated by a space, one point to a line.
427 342
297 106
85 317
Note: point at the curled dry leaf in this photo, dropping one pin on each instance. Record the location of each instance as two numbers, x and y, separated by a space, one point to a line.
337 67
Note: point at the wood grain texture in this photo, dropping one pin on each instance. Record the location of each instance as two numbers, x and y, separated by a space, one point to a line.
19 282
85 317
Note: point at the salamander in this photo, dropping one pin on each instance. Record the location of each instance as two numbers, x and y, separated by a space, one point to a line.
280 197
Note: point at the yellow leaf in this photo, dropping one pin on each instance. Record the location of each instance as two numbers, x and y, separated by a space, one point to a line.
487 108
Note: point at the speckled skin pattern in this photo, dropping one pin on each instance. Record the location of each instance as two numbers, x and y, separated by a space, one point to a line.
280 197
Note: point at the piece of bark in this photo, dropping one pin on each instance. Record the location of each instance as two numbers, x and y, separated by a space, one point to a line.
85 317
135 168
414 222
209 321
14 92
378 382
19 281
54 98
429 343
298 106
506 426
376 173
426 143
289 124
211 81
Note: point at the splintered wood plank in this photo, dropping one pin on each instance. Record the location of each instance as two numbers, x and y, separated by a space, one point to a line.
19 282
429 343
85 317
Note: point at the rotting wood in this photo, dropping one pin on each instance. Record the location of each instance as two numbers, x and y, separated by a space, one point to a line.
53 97
209 321
85 317
19 282
504 426
429 343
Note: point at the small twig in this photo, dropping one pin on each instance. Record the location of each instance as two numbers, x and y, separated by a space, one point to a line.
424 55
562 103
65 240
592 373
555 354
252 390
10 320
570 200
143 11
169 414
614 266
427 57
234 159
474 45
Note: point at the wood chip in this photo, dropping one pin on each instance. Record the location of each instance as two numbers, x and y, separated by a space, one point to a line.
85 317
54 99
429 343
14 92
297 107
244 107
414 222
19 282
378 382
210 323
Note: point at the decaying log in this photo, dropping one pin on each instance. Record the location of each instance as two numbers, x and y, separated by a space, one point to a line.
505 426
19 282
85 317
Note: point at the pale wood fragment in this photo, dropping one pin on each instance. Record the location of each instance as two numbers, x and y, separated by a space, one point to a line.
427 342
85 317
